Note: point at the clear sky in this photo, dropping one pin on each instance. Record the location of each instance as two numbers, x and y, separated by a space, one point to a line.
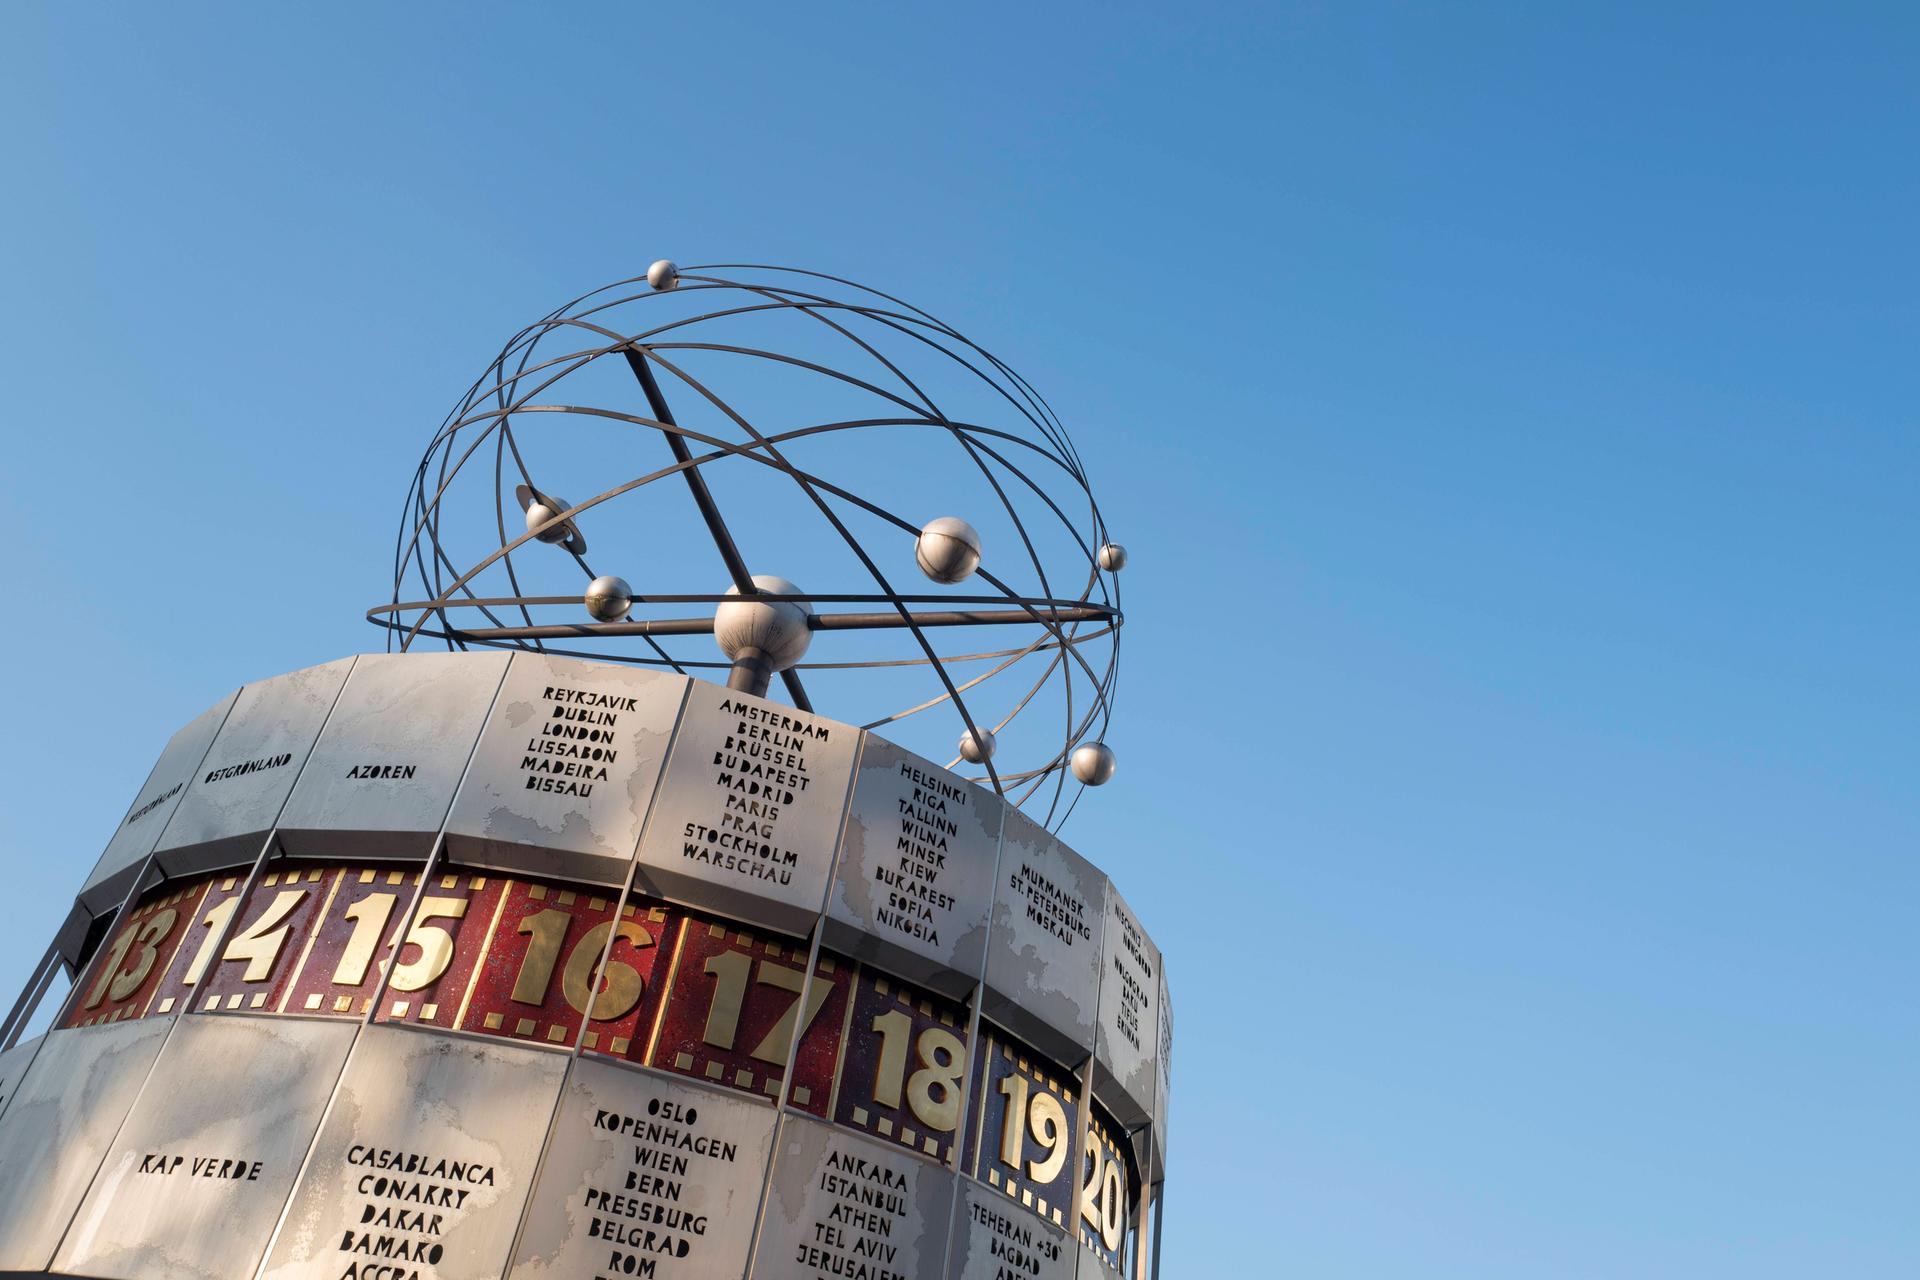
1510 410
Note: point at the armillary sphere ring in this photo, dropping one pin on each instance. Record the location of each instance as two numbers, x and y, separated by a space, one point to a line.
948 549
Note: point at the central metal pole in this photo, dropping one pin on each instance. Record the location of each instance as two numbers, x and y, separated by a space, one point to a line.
746 676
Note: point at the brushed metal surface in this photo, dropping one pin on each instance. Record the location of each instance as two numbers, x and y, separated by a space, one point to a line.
1129 1040
13 1068
750 809
1092 1266
194 1183
424 1159
240 785
1162 1080
1043 970
147 816
645 1175
565 770
914 884
838 1201
58 1127
995 1237
382 776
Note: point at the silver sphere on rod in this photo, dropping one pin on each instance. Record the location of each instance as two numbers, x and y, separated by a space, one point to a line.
761 637
948 549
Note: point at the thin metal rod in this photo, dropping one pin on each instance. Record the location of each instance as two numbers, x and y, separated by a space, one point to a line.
697 483
31 995
819 622
709 511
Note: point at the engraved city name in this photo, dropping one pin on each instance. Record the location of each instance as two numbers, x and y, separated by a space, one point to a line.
855 1238
409 1200
1059 912
153 804
236 1170
251 766
643 1215
572 748
382 771
921 846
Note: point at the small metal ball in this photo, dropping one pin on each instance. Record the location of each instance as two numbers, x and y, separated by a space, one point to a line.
1093 763
775 629
976 745
1113 557
948 549
663 274
609 598
543 522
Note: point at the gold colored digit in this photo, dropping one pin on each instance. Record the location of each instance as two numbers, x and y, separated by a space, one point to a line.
1012 1134
107 969
1113 1200
369 916
729 969
624 985
435 943
773 1046
549 930
213 922
895 1029
1090 1189
152 931
1048 1120
259 944
942 1057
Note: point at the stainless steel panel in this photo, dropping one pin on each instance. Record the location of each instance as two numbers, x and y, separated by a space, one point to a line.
1129 1016
58 1127
915 881
196 1180
995 1237
147 816
839 1201
13 1068
1162 1080
383 774
246 775
565 769
423 1162
1092 1266
1043 969
749 812
645 1175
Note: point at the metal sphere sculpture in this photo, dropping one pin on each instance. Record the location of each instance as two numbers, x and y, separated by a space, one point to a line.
735 422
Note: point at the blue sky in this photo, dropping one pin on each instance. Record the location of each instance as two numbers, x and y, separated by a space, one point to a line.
1509 409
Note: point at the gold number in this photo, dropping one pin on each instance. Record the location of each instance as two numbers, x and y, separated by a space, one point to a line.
114 957
259 944
549 930
213 922
1113 1195
435 943
933 1092
773 1046
895 1029
1013 1135
369 916
1048 1120
729 970
624 986
1103 1198
1044 1117
152 931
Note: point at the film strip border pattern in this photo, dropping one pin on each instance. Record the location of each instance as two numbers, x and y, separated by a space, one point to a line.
644 981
